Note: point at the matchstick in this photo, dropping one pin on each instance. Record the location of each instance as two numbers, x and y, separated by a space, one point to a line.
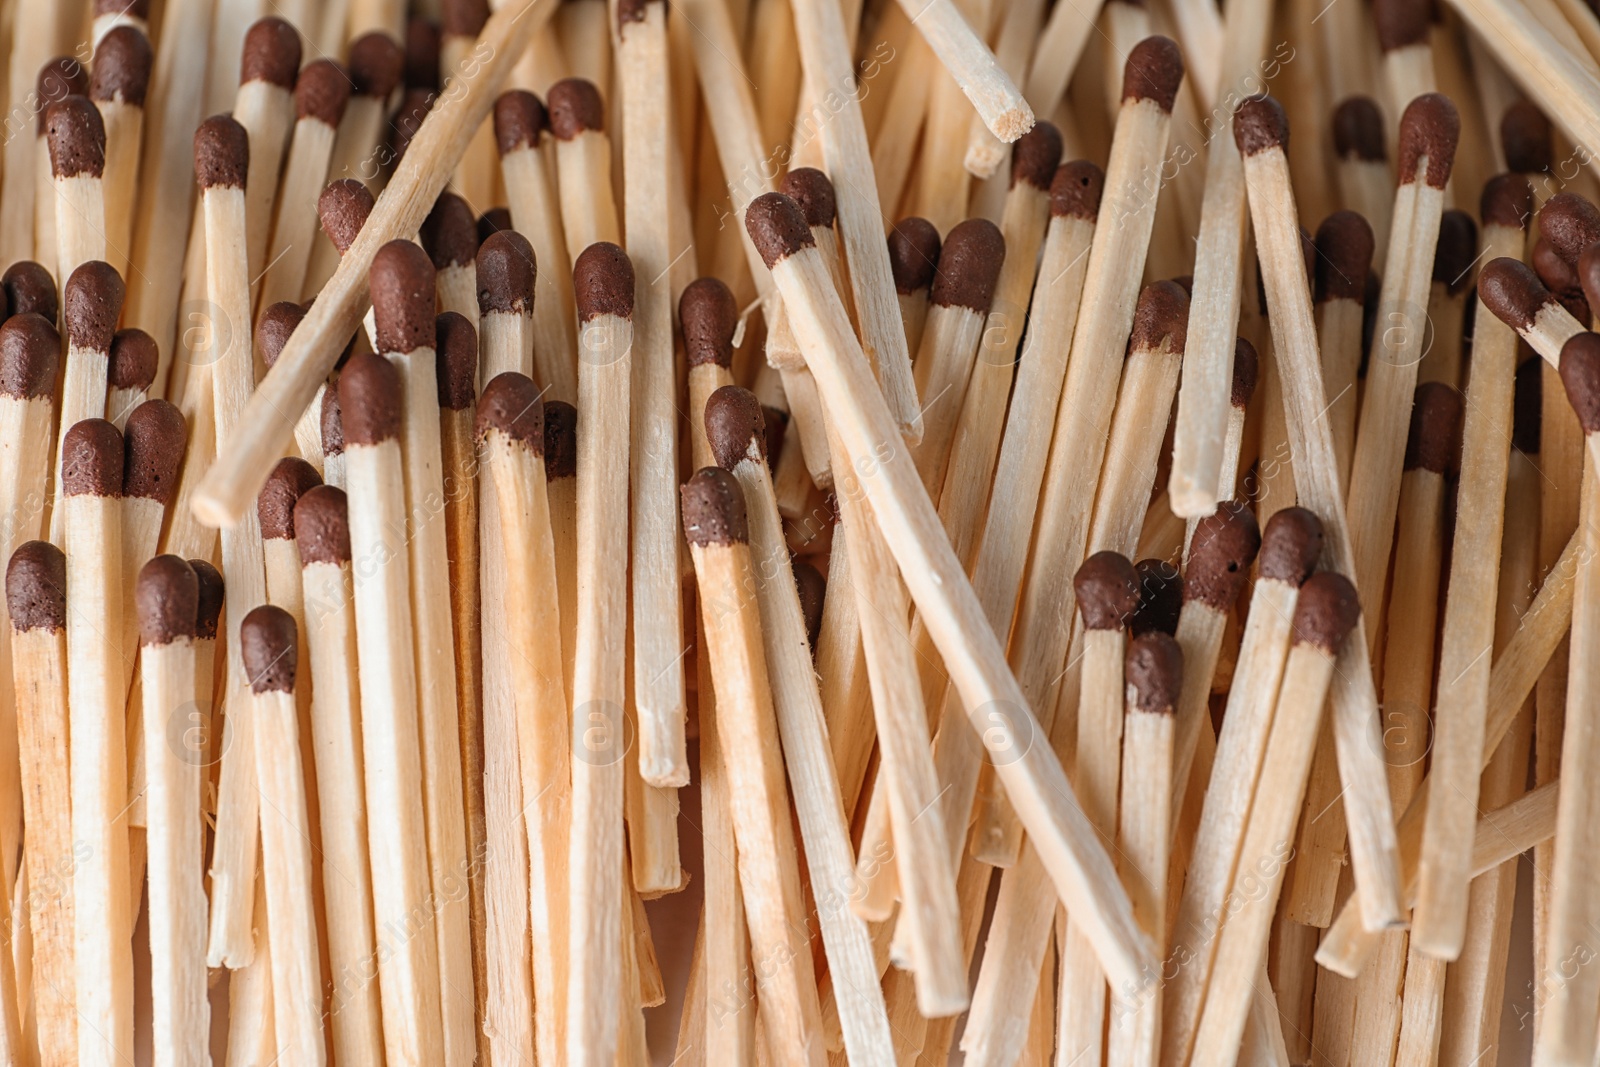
583 165
57 79
153 445
122 60
1517 297
1019 26
913 257
29 287
842 673
343 207
130 372
454 58
110 14
1365 182
1345 246
710 318
77 138
1456 253
331 431
30 366
91 303
450 236
32 35
962 51
1407 51
274 326
265 107
1246 372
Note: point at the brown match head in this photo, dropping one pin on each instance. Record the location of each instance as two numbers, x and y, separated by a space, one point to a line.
1434 443
1260 124
153 443
495 220
321 92
1326 611
776 227
271 53
1344 256
813 191
520 119
167 598
122 62
91 459
332 422
343 208
36 588
407 120
371 401
1075 190
322 526
507 272
1456 251
1224 545
575 106
134 360
1580 374
1036 155
1509 288
1153 72
1570 223
221 153
1358 130
511 405
1525 137
1401 23
560 440
1429 130
29 287
403 297
456 360
1589 274
450 232
735 427
1153 671
376 65
1246 372
969 266
134 9
812 588
913 254
709 316
267 639
1160 598
58 79
291 479
424 41
212 592
1507 201
274 327
1161 319
602 282
1553 270
464 18
1528 406
76 137
1107 589
93 303
713 509
30 357
1290 546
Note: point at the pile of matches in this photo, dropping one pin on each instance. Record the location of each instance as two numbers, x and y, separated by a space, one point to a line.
794 533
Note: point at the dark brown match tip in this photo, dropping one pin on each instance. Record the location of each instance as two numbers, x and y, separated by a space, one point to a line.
450 232
167 598
91 459
1160 598
969 266
560 440
1344 256
1153 72
602 282
1153 671
1161 320
1358 130
1434 443
1224 545
1509 288
212 591
1401 22
812 588
495 220
274 328
291 479
1580 373
332 422
1107 589
403 297
511 404
1553 270
154 444
376 64
134 360
58 79
321 92
1570 223
735 427
629 11
813 191
267 639
1290 546
1589 274
322 526
777 227
1525 138
1260 124
507 270
1507 201
1075 190
575 106
913 254
76 137
29 287
343 209
1456 251
1326 611
710 317
93 299
36 588
271 53
1429 129
713 509
456 363
1036 155
520 119
423 45
122 63
1246 372
1528 406
463 18
30 357
370 400
221 153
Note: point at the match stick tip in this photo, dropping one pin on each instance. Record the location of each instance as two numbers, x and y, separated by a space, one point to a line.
1075 190
1326 610
776 227
1260 124
1571 224
713 509
511 405
602 282
274 327
735 427
1344 256
1224 545
76 137
1160 598
370 400
520 119
122 62
271 53
813 191
1290 546
1509 288
29 287
456 360
1036 155
1525 138
322 526
343 208
1153 671
507 272
154 443
291 479
267 638
91 459
560 440
402 281
1580 374
212 590
450 232
812 588
93 303
1246 372
1429 130
1013 124
1401 23
1456 251
376 63
1507 201
913 254
134 360
709 316
36 588
1528 406
221 153
331 423
1153 71
575 106
1161 319
1358 130
1107 589
969 266
321 92
1434 440
167 599
30 357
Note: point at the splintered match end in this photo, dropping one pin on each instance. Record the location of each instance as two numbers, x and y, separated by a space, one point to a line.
274 327
91 459
1507 201
1153 72
1326 611
403 297
1161 319
510 405
271 53
602 281
36 588
813 191
212 590
1290 546
1571 224
267 646
575 106
969 266
450 232
1580 374
1075 190
167 598
1246 371
76 137
376 64
1525 138
456 360
710 317
134 360
370 400
342 209
1401 22
93 299
560 440
1344 256
520 119
321 92
1036 155
1153 670
777 227
1509 288
507 271
713 509
1434 442
1260 124
1107 588
1224 545
913 254
122 63
735 426
1528 407
1429 130
1358 130
221 153
291 479
1456 251
30 357
322 526
154 443
29 287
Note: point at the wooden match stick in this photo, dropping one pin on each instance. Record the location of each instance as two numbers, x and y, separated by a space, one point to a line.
274 326
343 207
265 107
1365 181
1511 290
130 372
30 363
454 59
153 445
29 287
962 51
1453 260
1407 51
57 79
122 60
913 257
450 236
110 14
1246 372
583 164
709 317
1345 247
32 35
91 304
77 140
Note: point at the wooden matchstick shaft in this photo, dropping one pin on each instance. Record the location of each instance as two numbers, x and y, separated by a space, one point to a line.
974 67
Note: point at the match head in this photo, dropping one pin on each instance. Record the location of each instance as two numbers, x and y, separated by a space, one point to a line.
913 254
813 191
1401 23
1344 256
221 153
1429 130
1434 442
1456 251
1160 598
1589 274
321 92
1525 137
1224 545
812 588
343 209
1075 190
267 638
1153 71
602 282
464 18
1246 371
1580 374
1358 130
332 422
1107 589
271 53
1153 671
495 220
1036 155
1326 611
423 45
575 107
520 119
1509 288
507 272
36 588
30 357
29 287
735 427
407 120
1507 201
713 509
450 232
1260 124
403 297
134 360
76 137
1290 546
274 327
709 316
135 9
1528 406
560 440
91 459
1161 319
511 405
376 64
291 479
167 598
969 266
58 79
122 63
456 360
93 303
777 228
322 526
212 591
1570 223
153 445
371 401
